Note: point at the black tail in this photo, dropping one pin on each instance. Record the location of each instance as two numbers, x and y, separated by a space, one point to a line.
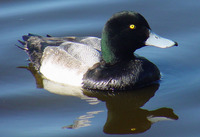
21 47
33 48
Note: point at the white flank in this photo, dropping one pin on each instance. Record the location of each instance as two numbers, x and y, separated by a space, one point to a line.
60 74
57 65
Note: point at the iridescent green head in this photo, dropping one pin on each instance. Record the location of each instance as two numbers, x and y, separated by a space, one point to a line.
123 33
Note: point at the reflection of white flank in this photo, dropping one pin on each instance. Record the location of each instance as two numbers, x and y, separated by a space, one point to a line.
68 90
153 119
83 121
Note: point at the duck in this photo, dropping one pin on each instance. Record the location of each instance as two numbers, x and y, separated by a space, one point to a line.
107 63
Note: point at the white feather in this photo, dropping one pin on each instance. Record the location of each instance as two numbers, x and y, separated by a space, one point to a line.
68 62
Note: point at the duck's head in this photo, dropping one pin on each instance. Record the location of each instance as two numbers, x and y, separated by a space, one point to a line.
125 32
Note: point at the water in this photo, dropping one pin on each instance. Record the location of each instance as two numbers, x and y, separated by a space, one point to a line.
54 111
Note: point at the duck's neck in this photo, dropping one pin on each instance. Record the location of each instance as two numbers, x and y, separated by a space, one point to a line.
114 51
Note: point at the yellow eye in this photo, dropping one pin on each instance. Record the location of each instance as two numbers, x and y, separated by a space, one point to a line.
133 129
132 26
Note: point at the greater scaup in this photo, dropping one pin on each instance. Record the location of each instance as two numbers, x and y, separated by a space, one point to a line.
108 63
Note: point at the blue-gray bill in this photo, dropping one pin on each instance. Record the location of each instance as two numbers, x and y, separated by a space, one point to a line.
158 41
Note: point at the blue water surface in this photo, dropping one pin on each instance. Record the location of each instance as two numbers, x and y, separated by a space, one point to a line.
29 111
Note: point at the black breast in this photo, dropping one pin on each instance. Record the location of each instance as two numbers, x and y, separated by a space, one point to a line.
121 76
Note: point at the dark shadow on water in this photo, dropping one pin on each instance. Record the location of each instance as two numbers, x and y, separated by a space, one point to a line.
125 115
37 76
124 112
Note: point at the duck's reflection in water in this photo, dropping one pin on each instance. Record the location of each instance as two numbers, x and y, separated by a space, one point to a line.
124 116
